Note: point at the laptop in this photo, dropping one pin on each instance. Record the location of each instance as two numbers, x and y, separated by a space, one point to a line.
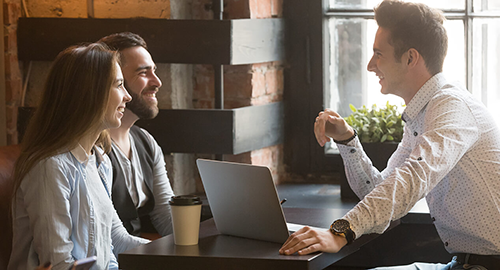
244 201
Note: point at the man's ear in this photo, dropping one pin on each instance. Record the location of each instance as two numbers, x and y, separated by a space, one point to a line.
413 56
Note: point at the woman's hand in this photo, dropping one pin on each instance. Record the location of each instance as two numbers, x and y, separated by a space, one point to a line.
307 240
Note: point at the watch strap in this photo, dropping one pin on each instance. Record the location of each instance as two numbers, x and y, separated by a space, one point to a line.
349 236
348 140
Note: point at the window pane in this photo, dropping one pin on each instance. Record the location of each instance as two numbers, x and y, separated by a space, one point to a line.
370 4
486 5
348 46
351 47
486 52
454 63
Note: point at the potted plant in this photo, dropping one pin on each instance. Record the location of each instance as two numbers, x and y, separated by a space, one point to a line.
379 131
377 125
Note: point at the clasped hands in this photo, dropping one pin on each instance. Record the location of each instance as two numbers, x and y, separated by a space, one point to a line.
328 124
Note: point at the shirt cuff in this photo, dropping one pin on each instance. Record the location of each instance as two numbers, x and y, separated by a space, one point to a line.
351 149
354 227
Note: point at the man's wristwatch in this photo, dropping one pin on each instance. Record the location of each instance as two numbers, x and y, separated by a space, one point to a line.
342 227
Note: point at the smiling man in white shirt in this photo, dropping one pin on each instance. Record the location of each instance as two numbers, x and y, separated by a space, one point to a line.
450 152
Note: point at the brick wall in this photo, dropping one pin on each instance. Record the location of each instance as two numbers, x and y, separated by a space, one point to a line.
244 85
17 93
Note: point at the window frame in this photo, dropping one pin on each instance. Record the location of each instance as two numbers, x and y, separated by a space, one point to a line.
306 80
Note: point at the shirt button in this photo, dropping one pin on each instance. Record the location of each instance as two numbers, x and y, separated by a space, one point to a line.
368 182
419 158
433 219
353 151
446 243
415 133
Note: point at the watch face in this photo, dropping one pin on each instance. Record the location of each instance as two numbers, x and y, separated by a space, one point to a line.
341 225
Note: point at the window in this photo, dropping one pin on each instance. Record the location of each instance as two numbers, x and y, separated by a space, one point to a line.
329 44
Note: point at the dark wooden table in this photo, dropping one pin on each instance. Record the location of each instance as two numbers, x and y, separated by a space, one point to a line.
216 251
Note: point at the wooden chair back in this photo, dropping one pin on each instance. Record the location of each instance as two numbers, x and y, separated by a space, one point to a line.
8 157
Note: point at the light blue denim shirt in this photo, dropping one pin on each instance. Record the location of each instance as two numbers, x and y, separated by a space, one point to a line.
54 218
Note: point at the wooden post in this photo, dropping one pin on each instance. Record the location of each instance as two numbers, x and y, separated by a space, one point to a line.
3 107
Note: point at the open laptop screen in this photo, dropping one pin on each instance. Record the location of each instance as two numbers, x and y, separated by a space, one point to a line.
243 200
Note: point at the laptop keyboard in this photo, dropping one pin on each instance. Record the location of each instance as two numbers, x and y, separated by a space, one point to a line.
293 227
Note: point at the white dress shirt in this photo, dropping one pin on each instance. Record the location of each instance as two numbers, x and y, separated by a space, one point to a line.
450 154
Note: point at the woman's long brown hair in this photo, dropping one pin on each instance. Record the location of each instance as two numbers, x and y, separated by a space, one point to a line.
73 104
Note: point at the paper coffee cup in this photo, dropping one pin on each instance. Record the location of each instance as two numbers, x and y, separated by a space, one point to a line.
186 212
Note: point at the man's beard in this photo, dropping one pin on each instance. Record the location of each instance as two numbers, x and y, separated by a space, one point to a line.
140 107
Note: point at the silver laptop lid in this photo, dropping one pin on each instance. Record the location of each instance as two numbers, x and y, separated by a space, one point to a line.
243 200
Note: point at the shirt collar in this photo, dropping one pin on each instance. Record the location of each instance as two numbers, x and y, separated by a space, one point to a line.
423 96
82 157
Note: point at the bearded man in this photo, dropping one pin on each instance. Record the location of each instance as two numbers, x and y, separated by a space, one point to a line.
141 188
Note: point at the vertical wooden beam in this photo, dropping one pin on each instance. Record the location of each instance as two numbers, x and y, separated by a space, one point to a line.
218 8
3 106
90 8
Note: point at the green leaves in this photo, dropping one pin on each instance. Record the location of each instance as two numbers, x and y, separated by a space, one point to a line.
352 107
377 125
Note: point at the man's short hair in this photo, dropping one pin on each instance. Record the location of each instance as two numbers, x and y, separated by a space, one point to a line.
415 25
124 40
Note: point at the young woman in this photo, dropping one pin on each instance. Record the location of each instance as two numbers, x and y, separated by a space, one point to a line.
62 211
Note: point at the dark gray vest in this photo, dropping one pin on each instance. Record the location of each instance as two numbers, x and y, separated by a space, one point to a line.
134 220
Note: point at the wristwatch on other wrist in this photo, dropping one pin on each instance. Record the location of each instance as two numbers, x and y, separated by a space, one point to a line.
342 227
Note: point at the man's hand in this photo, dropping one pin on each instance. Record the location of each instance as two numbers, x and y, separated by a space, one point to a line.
330 124
307 240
